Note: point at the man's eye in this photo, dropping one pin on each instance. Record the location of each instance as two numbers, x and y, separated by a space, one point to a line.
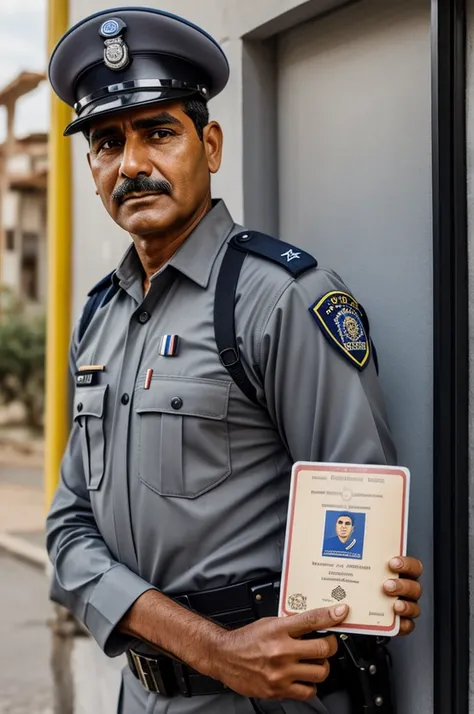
161 133
109 144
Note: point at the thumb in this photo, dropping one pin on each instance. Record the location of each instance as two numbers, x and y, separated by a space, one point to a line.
316 620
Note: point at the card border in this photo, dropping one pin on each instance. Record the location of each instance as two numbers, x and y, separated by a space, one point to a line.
341 468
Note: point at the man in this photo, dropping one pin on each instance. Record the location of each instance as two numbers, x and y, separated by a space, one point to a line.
344 542
175 479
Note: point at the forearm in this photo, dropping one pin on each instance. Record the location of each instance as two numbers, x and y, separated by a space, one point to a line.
163 623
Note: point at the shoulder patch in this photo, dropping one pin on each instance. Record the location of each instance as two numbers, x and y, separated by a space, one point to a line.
102 284
341 320
293 259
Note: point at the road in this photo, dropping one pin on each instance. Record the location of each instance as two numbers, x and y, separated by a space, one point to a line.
25 680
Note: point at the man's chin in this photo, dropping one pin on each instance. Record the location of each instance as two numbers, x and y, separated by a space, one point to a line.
145 221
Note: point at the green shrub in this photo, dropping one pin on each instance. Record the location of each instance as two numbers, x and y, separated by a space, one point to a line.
22 357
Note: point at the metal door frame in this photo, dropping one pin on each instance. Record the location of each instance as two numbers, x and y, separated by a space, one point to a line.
451 365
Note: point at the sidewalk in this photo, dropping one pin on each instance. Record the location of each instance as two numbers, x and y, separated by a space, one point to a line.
22 517
22 506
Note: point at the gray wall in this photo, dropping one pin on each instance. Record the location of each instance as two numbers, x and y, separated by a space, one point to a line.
328 140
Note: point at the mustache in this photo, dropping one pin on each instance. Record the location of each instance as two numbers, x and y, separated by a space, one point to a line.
141 184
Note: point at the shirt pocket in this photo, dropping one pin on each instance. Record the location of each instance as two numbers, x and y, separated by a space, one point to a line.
183 438
89 407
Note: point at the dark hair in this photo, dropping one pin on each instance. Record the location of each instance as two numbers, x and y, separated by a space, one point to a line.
197 110
346 515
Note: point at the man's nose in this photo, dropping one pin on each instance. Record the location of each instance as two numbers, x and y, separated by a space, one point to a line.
135 159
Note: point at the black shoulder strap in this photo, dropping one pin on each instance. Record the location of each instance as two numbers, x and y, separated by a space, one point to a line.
294 260
224 322
97 297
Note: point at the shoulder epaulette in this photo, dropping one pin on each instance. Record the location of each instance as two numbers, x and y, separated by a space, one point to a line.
102 284
293 259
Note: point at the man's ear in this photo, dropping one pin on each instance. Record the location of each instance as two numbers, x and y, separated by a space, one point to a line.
89 162
213 140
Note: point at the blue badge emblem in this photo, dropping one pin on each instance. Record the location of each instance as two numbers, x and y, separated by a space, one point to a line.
110 28
339 316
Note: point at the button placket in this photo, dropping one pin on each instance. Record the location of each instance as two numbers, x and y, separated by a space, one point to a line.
132 351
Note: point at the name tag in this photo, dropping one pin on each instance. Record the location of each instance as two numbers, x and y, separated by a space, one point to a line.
88 375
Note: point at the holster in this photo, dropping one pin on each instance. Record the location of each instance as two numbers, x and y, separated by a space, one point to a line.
363 665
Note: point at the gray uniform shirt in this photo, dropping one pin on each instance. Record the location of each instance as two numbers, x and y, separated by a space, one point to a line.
184 486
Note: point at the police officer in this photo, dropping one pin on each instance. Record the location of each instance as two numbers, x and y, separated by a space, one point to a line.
167 529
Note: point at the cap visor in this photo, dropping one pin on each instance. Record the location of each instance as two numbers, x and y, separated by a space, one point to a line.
122 103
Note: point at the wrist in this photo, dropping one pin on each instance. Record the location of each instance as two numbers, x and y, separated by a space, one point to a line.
210 656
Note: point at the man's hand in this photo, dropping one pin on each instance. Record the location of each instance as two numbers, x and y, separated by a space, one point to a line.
407 589
266 659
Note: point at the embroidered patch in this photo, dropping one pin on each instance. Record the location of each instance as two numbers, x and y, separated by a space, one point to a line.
339 316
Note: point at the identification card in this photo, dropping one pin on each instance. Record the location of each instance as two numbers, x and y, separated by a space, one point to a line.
345 522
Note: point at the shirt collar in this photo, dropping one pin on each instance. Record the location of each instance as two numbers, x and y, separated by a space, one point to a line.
129 268
196 257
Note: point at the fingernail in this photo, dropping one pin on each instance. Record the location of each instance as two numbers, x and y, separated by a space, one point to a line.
396 563
400 606
390 585
340 610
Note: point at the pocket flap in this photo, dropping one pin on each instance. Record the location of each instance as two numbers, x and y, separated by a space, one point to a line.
206 398
89 401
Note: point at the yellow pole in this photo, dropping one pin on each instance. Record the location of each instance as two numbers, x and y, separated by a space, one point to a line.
59 269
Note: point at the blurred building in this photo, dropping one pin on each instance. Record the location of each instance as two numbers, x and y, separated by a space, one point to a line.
23 185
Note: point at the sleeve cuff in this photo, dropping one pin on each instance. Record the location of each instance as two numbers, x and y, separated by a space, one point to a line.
113 596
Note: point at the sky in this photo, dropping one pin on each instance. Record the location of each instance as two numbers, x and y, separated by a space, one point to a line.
23 46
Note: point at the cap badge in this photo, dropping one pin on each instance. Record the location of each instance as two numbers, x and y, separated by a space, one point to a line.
116 53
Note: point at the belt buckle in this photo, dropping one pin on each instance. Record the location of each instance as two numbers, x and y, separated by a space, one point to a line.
145 676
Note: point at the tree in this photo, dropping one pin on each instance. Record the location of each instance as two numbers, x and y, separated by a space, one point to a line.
22 357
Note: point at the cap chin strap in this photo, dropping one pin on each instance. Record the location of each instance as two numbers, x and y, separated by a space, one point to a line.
137 85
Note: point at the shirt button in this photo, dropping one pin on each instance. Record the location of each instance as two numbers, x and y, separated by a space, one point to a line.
176 403
125 399
80 407
143 317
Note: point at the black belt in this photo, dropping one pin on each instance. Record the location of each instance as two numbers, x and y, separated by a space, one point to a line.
168 677
233 606
360 666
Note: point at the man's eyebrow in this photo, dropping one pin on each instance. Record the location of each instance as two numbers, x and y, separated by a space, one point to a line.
158 120
161 119
103 132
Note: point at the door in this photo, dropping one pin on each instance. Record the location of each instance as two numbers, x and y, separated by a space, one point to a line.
355 189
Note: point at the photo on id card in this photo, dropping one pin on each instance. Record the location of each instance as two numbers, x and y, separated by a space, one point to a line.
345 522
